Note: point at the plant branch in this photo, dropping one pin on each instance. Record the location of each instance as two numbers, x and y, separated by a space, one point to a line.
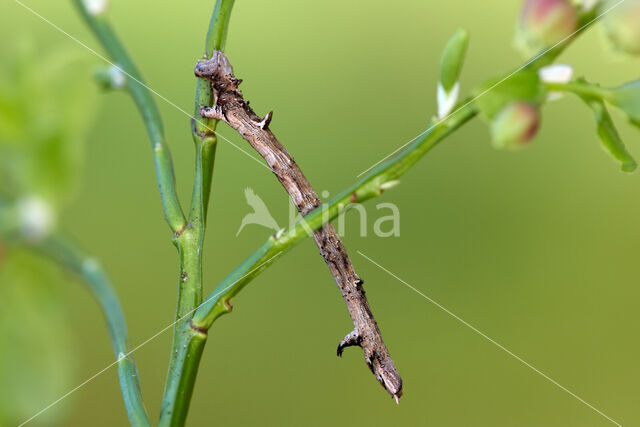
579 88
65 253
148 110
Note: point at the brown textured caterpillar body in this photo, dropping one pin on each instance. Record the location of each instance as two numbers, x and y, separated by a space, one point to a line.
231 107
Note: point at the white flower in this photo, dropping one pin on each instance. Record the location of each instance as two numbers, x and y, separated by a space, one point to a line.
36 217
558 73
95 7
446 101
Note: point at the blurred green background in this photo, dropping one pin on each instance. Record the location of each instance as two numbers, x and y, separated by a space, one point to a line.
538 249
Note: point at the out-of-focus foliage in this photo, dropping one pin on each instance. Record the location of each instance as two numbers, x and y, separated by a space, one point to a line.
621 26
36 357
46 100
544 23
627 98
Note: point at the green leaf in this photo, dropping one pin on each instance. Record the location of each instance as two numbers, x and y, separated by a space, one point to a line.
626 98
452 59
608 134
523 85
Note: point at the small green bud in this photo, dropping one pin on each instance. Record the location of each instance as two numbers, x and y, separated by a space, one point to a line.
622 26
543 23
110 77
452 59
450 67
515 125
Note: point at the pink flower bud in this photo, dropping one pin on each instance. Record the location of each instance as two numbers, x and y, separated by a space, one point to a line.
515 125
622 25
544 23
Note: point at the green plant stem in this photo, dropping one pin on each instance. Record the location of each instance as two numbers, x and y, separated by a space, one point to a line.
148 110
188 344
68 255
579 88
203 130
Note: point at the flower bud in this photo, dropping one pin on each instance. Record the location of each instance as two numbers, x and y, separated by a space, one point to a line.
37 218
450 68
95 7
515 125
544 23
110 77
622 26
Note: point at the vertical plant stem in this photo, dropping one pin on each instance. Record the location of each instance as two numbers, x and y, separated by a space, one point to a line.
203 130
148 110
65 253
188 343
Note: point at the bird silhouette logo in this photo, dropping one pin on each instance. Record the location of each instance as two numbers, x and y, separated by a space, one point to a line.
260 214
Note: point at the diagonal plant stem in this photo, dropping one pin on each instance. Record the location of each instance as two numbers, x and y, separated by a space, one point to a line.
68 255
188 344
372 185
148 110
